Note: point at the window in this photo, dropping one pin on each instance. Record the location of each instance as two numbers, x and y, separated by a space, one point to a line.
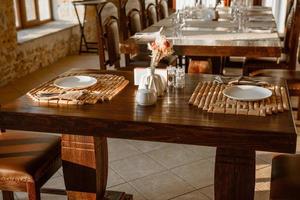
30 13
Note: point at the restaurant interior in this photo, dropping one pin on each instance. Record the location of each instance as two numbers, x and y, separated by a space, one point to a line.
149 99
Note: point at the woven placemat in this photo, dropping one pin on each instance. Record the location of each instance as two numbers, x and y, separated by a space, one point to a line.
208 96
105 89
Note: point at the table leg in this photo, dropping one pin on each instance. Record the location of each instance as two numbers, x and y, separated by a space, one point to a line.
216 64
234 174
85 167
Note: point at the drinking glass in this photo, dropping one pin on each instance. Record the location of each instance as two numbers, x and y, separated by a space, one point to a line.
234 11
242 20
180 77
180 23
171 76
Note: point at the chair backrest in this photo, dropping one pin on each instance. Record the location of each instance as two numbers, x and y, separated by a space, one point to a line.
289 6
257 2
292 30
163 9
108 34
131 17
299 54
151 14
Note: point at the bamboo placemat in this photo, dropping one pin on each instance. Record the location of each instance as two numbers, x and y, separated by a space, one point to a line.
208 96
105 89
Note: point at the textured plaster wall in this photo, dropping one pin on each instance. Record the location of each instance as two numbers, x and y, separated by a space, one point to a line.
64 10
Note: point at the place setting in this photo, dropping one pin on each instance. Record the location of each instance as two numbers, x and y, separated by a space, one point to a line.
240 96
79 89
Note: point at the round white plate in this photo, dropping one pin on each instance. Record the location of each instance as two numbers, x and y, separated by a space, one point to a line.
247 93
75 82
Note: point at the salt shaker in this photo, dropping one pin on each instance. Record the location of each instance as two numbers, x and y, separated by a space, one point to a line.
180 78
171 75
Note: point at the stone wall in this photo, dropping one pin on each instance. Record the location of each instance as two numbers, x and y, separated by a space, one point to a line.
8 42
46 50
17 60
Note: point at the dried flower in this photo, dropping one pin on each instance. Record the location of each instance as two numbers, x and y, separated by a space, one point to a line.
160 48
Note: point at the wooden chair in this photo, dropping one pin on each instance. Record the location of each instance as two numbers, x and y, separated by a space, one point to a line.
288 59
257 2
285 68
200 66
285 177
289 6
151 14
108 29
131 14
239 62
27 161
163 9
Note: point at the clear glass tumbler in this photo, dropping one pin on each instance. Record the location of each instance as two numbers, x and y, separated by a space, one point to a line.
180 77
171 76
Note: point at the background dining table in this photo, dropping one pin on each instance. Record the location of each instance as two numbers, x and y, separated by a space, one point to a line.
85 130
215 38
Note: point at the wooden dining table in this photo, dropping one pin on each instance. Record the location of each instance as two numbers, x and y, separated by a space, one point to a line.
215 38
85 129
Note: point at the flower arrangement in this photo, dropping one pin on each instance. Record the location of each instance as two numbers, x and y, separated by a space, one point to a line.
160 48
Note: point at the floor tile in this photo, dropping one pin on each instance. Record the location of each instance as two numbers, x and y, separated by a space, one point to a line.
86 61
199 174
265 156
8 93
126 187
38 77
262 195
60 171
119 149
114 178
161 186
56 182
259 195
173 156
23 196
202 151
208 191
261 163
136 166
262 181
145 146
196 195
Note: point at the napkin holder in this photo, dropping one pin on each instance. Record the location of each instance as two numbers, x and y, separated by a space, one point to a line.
140 72
152 81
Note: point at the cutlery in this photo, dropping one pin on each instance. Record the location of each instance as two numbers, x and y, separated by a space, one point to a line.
50 94
241 80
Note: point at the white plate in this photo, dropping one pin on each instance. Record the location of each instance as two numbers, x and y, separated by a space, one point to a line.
247 93
75 82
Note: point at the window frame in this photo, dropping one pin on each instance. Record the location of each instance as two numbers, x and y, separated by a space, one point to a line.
23 22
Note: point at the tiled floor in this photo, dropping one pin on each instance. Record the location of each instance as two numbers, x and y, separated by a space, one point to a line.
148 170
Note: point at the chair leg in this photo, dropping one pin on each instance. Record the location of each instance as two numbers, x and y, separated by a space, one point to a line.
33 192
298 111
7 195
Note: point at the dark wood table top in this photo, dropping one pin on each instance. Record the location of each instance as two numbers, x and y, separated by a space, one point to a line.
218 38
170 120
